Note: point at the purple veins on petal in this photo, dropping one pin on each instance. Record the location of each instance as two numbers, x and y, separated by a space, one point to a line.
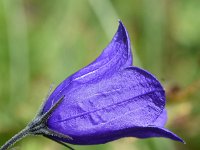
110 99
123 93
161 120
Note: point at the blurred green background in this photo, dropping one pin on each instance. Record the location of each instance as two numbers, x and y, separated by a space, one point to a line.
44 41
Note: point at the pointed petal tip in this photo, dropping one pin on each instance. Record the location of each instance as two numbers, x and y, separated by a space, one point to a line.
166 133
183 141
154 131
122 31
120 21
180 140
121 25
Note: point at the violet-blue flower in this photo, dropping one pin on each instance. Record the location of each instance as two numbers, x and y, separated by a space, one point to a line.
106 100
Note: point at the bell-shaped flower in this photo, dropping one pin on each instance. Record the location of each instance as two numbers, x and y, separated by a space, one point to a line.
109 99
106 100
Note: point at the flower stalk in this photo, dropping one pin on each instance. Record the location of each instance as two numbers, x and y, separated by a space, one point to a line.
38 127
23 133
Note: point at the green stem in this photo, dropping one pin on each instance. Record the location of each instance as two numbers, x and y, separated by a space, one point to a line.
15 138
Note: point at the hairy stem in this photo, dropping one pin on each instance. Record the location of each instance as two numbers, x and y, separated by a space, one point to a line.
15 138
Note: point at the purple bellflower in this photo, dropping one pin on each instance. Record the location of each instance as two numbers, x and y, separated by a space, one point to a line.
106 100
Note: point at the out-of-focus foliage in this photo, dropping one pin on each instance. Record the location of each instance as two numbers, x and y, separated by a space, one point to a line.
45 41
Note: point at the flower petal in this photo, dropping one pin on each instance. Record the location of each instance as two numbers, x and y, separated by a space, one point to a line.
161 120
116 56
131 97
138 132
109 99
153 131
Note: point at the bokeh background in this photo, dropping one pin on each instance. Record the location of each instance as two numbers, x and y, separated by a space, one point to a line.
44 41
